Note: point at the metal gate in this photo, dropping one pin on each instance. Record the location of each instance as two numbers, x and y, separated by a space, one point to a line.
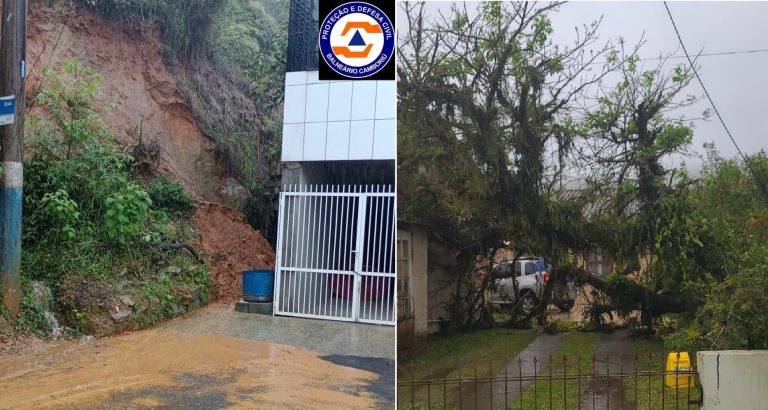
336 253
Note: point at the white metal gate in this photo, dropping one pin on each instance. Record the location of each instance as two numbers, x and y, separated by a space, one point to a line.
336 253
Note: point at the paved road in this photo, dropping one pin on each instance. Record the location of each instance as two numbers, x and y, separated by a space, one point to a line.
321 336
361 346
532 360
214 358
614 355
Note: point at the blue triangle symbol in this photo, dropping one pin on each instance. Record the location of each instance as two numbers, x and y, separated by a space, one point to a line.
357 39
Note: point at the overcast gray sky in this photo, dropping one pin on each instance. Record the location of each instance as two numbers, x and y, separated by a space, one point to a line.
738 83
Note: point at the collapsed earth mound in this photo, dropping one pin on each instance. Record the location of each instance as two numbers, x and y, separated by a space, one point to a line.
230 246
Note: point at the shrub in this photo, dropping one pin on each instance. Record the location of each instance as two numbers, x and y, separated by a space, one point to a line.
127 212
59 213
87 214
171 197
184 23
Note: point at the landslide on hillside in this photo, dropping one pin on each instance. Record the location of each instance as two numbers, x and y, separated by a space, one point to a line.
231 246
152 98
137 80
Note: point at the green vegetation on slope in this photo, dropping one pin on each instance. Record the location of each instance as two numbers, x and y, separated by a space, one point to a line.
253 35
92 233
243 44
184 24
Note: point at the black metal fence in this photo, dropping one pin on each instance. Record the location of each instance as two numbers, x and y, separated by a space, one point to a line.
609 382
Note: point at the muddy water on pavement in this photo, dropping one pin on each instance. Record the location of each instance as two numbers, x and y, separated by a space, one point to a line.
614 355
501 395
245 373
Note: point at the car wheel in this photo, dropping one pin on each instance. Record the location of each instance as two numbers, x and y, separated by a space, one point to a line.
528 302
565 305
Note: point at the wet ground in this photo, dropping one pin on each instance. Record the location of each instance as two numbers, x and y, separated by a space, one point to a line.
214 358
499 395
321 336
614 355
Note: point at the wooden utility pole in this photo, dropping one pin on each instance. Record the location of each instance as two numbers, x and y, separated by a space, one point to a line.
13 66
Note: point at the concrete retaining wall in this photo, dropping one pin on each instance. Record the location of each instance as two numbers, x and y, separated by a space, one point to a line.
734 379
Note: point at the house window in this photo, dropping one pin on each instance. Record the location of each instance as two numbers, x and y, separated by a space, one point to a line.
598 265
404 302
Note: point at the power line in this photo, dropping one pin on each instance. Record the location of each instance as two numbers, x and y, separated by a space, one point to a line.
42 74
711 102
719 53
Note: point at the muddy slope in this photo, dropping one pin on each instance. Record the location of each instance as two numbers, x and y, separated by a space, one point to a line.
230 247
135 77
151 98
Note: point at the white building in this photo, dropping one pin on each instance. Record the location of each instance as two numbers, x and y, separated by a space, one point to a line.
337 209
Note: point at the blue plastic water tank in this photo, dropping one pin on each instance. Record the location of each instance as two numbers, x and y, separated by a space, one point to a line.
258 285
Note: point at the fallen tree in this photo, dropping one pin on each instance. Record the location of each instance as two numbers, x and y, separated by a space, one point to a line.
481 97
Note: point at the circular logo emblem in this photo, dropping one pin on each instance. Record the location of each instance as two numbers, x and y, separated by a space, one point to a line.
357 40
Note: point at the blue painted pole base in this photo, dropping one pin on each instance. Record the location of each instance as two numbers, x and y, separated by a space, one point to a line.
10 235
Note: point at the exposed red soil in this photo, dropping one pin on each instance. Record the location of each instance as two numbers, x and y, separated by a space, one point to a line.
135 77
230 246
150 96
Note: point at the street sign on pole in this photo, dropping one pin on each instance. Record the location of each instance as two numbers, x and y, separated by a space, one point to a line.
7 110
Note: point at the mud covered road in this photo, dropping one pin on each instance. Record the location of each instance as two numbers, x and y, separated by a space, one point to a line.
214 358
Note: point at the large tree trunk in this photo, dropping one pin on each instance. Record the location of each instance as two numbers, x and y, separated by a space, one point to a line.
629 295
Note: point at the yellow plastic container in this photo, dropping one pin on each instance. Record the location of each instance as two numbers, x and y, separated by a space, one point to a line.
678 362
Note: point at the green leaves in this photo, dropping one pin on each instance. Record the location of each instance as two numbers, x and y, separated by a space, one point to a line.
492 12
127 212
170 197
632 63
459 21
59 213
681 75
542 29
673 137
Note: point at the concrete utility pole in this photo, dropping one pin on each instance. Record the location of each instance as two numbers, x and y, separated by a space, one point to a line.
13 44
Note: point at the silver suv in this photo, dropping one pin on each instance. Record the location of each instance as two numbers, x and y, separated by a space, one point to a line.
525 279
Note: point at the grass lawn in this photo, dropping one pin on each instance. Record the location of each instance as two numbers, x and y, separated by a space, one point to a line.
454 356
651 394
578 348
